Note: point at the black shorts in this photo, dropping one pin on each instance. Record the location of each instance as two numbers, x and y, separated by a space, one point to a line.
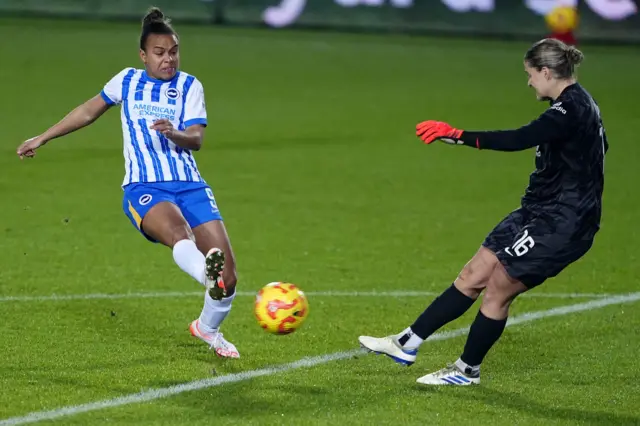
533 248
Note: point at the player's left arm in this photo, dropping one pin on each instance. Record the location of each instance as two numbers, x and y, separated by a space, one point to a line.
555 124
191 133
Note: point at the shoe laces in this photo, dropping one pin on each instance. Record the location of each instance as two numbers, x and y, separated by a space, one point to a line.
448 370
220 341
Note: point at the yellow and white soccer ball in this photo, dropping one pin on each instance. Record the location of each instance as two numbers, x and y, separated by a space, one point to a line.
281 308
562 19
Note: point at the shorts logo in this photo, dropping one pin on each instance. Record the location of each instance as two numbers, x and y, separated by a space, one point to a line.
172 93
145 199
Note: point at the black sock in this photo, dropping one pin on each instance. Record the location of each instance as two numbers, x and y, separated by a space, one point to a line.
450 305
484 333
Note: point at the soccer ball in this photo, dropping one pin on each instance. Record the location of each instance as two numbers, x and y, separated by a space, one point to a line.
562 19
281 308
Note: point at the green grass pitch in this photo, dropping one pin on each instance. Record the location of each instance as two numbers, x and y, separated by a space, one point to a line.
312 155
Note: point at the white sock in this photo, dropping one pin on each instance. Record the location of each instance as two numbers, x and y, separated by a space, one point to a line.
408 339
214 312
466 368
189 259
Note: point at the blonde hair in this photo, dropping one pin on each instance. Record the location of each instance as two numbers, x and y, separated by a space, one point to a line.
559 57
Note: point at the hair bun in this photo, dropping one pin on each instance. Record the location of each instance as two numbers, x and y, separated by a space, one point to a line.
574 55
154 14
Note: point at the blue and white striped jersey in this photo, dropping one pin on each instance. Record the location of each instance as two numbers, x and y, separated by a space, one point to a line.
149 155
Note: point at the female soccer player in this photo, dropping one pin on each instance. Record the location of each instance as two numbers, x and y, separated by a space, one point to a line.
554 226
163 120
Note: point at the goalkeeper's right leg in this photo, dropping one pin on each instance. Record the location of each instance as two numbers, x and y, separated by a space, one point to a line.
450 305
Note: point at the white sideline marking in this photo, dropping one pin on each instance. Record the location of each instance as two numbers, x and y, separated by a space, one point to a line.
153 394
164 294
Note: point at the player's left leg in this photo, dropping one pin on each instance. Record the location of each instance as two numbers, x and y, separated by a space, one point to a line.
214 234
485 331
200 209
153 210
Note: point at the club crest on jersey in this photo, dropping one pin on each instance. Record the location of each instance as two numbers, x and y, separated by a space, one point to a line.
172 93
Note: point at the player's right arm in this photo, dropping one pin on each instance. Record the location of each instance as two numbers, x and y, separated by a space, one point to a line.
81 116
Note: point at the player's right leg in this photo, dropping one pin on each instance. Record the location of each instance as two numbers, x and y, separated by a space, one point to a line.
453 302
450 305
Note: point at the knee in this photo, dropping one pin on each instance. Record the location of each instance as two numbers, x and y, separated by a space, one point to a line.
498 295
475 275
494 297
472 276
179 233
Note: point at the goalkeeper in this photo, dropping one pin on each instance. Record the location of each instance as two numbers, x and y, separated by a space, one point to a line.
554 226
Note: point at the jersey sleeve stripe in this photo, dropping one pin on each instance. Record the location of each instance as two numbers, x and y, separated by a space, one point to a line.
106 98
193 121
